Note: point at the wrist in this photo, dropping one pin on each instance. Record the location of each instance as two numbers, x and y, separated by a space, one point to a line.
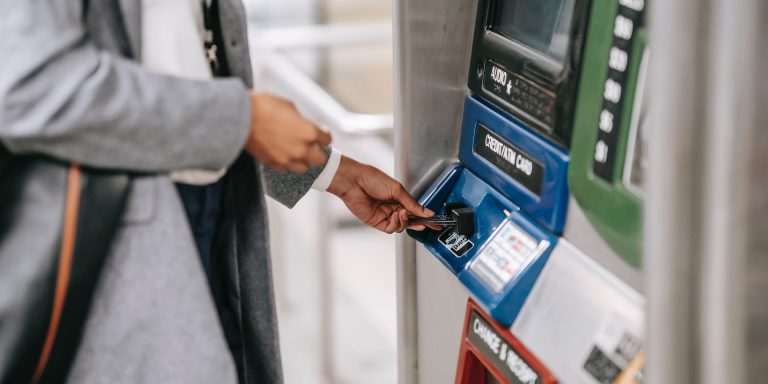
253 111
325 177
344 178
259 113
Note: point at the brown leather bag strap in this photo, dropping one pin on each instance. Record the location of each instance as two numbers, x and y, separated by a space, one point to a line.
64 270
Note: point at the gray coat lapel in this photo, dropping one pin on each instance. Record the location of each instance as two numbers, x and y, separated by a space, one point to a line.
234 31
131 10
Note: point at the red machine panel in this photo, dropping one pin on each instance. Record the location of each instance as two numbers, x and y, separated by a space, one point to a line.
490 354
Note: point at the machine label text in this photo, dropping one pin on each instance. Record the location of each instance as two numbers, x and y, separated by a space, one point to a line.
503 356
627 21
525 95
457 244
509 159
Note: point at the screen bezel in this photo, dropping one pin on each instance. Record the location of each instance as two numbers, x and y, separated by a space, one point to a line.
558 78
492 13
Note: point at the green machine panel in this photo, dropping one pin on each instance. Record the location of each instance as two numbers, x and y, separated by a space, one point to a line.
607 153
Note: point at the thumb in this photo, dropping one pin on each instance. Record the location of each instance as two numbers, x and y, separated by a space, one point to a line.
408 202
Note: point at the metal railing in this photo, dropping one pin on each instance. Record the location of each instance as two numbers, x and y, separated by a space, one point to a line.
269 46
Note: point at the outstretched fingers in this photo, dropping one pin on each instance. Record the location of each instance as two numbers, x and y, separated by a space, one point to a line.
402 197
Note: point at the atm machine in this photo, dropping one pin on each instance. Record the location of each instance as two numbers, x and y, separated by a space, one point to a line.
523 121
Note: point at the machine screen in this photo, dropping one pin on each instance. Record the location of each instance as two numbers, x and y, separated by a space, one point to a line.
543 25
639 159
508 251
637 155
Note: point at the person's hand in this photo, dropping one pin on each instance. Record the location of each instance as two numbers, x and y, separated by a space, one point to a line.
281 138
375 198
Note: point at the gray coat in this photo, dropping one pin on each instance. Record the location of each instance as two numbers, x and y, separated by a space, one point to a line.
73 90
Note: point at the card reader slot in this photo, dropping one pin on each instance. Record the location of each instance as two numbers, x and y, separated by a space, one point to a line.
462 217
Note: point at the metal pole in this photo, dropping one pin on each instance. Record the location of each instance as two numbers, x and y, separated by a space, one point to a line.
701 117
672 217
730 122
405 262
432 40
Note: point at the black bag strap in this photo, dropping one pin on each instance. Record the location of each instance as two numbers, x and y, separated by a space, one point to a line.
54 314
100 202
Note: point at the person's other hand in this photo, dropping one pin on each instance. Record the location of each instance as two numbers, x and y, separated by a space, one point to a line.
281 138
375 198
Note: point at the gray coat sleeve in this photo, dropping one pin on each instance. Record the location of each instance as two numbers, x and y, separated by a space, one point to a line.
62 96
288 187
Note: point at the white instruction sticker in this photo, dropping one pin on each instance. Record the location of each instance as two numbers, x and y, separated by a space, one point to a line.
507 253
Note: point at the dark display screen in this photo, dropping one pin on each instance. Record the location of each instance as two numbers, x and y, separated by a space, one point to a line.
543 25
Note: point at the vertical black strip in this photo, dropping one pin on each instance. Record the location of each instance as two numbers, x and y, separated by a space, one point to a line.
614 94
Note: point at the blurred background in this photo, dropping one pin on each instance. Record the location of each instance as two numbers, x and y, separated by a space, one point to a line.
334 278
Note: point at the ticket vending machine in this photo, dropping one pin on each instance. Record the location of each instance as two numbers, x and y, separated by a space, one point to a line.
512 176
546 277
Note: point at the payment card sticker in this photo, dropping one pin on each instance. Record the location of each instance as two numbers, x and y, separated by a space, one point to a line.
457 244
508 252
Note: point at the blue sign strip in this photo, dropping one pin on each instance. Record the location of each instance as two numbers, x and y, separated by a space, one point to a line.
527 168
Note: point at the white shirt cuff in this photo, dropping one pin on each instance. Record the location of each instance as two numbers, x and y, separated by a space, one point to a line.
325 177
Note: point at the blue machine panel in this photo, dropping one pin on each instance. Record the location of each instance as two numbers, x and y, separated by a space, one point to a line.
531 171
500 262
515 182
